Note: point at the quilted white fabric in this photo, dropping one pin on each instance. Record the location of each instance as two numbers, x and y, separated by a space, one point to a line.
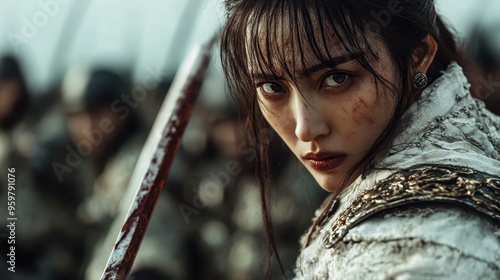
425 241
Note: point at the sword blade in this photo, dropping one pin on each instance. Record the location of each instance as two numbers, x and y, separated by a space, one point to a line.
156 159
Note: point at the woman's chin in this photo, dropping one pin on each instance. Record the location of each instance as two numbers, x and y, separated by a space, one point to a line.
332 182
329 182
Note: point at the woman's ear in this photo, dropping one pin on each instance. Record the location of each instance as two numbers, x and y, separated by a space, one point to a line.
424 54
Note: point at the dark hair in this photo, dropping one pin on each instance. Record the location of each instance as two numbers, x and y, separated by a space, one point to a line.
253 25
10 70
104 88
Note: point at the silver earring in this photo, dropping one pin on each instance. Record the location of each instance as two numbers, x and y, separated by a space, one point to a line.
420 81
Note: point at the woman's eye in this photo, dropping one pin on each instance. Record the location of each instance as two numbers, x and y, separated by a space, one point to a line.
271 88
335 80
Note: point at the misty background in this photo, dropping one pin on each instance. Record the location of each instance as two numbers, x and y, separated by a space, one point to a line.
67 67
137 34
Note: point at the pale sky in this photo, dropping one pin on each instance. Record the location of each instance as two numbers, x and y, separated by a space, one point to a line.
50 35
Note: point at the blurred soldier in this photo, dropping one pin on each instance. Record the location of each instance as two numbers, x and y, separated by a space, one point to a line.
105 145
14 97
484 49
14 102
47 246
105 130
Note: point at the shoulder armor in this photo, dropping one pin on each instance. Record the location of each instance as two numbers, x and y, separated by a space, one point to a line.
423 183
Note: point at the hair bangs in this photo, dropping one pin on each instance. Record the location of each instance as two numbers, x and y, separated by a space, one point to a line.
283 38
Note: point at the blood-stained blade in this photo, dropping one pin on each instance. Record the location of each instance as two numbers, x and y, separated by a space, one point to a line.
156 158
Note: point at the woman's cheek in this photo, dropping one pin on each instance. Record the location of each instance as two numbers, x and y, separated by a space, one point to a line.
362 111
277 120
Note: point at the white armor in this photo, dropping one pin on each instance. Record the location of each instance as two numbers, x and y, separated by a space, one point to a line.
438 217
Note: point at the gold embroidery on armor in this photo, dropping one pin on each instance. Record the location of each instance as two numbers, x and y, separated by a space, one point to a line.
425 183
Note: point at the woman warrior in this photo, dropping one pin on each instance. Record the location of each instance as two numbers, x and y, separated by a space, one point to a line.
370 96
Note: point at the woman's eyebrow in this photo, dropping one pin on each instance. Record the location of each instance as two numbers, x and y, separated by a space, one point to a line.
335 61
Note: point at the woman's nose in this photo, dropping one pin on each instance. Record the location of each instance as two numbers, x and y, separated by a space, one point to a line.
311 121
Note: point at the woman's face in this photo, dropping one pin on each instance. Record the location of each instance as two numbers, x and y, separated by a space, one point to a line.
330 118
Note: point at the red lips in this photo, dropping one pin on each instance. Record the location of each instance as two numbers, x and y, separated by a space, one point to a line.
324 161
